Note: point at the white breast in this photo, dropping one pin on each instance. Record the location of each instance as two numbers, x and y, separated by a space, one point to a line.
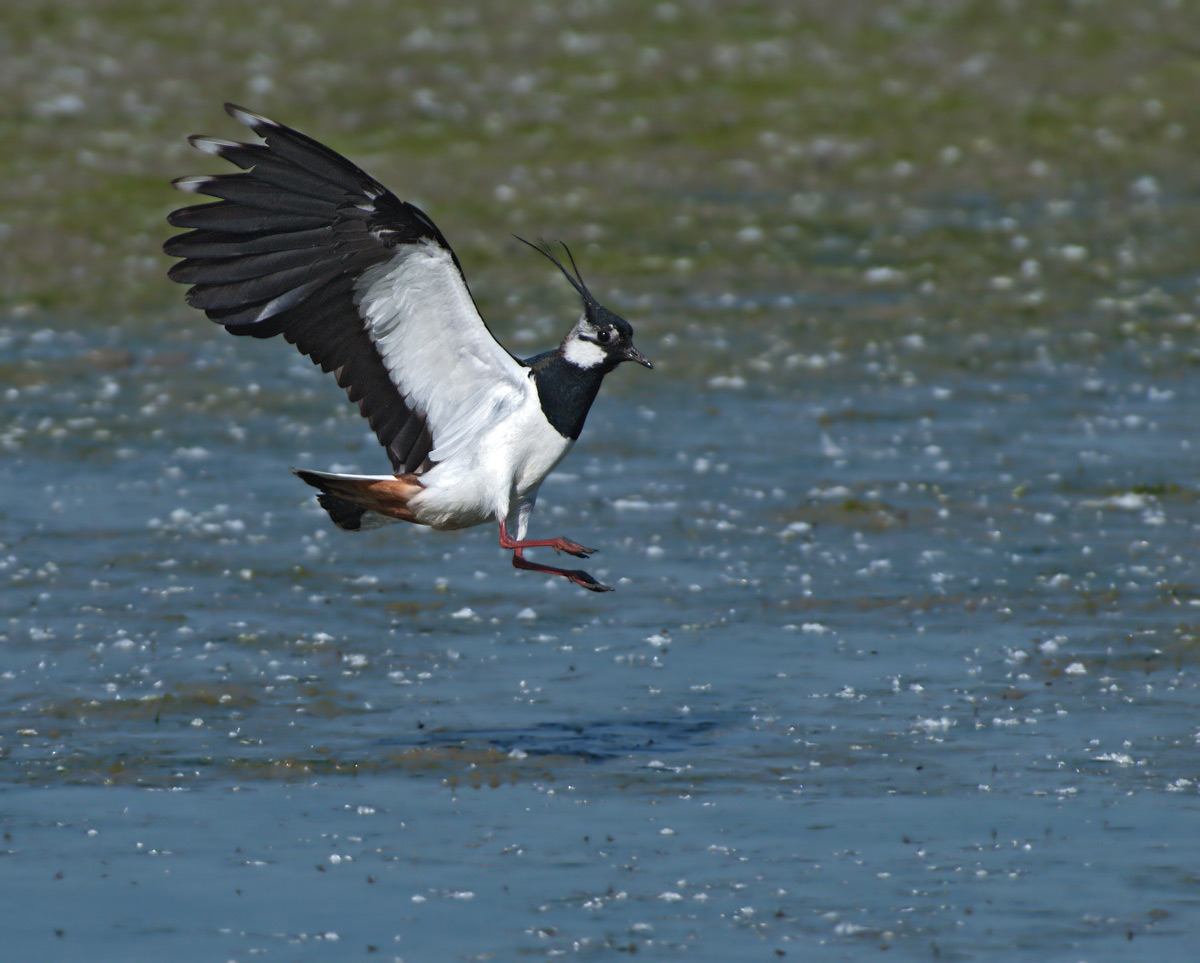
487 480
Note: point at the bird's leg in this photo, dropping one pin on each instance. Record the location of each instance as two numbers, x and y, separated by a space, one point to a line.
558 544
579 577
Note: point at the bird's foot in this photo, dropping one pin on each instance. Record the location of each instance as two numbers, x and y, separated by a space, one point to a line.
571 548
583 580
558 544
578 576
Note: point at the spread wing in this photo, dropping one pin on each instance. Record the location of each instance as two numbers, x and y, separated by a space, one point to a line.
304 244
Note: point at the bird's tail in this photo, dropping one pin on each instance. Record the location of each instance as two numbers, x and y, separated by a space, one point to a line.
355 502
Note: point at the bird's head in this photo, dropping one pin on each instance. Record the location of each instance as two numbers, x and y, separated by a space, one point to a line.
599 338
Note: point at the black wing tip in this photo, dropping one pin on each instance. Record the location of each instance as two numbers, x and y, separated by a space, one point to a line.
250 119
216 146
182 216
192 183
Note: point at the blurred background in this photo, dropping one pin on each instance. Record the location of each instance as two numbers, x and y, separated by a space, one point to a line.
981 164
903 654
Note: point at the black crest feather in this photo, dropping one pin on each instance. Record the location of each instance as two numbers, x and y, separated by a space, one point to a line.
576 280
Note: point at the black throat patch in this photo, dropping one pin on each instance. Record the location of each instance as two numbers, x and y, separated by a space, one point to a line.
566 392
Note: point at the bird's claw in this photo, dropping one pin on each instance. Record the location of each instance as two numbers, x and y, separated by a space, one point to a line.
572 548
583 580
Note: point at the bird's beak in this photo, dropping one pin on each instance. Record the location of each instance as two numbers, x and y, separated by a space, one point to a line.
632 354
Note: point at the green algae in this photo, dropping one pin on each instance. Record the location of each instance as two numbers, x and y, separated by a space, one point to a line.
654 136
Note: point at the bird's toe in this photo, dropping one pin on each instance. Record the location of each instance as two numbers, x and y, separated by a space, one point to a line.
572 548
583 580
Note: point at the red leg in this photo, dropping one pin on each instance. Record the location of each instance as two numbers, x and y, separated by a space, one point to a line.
558 544
579 577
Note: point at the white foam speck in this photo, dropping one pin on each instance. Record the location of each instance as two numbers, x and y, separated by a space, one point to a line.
848 929
1129 501
1144 187
883 275
63 105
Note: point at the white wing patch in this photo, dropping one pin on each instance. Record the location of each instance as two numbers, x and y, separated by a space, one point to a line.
439 354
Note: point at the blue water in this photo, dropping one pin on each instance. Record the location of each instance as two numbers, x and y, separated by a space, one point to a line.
902 656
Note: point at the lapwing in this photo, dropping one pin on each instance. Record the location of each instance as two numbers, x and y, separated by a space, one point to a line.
303 243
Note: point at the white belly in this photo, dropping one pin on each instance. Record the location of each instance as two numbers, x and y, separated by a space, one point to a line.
489 479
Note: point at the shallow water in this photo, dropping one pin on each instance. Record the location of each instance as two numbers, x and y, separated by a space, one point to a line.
903 655
904 650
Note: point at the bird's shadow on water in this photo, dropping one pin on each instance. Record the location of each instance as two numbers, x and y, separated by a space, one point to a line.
593 741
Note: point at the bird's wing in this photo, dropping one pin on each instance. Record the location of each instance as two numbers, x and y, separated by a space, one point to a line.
304 244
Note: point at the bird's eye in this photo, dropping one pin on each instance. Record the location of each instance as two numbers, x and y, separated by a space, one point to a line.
604 336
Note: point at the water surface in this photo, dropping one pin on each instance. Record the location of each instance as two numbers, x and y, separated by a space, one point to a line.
903 653
895 660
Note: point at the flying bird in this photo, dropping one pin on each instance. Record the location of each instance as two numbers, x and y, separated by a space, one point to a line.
303 243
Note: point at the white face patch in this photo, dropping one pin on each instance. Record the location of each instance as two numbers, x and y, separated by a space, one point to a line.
583 354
